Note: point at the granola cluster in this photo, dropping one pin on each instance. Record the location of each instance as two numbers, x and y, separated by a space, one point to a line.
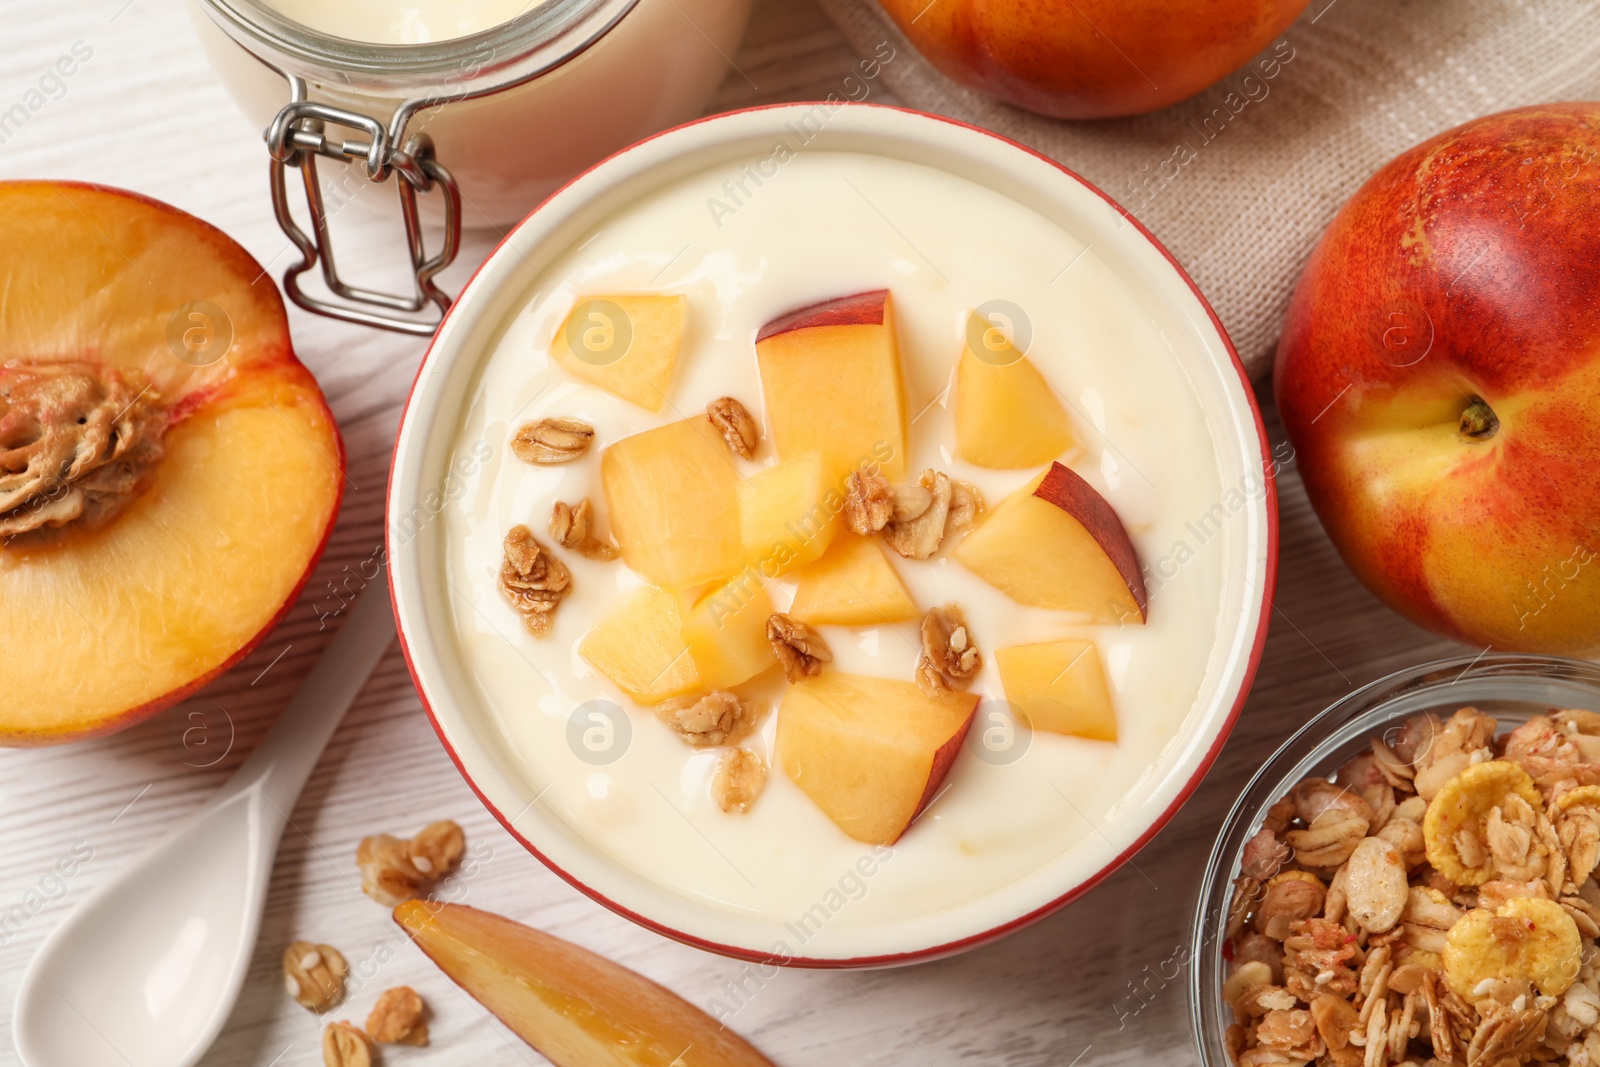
573 526
314 975
1433 903
398 1018
914 519
798 646
705 720
394 870
551 441
950 658
533 580
736 425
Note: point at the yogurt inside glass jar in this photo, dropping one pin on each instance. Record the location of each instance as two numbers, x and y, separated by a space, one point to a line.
414 22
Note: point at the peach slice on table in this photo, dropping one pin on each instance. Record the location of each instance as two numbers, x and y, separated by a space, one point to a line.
830 374
170 470
1060 687
852 584
627 345
578 1009
673 497
639 645
1057 543
788 513
1007 416
725 630
870 752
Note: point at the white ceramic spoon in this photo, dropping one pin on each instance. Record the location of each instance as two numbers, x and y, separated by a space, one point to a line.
145 971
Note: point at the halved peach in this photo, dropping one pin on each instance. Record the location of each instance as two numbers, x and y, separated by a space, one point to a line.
853 584
830 374
577 1008
788 513
169 471
639 645
1059 686
870 752
1057 543
627 345
1007 416
726 631
674 504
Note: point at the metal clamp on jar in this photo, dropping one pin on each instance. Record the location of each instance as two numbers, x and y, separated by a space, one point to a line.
486 124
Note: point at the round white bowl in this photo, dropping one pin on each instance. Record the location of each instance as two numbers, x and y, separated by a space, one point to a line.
1201 352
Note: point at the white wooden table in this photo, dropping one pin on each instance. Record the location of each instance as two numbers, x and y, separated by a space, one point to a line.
1094 984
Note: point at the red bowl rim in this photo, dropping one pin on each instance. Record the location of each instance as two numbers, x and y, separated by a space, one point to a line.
971 941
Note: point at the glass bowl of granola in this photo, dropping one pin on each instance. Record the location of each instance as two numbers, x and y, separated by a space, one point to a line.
1409 879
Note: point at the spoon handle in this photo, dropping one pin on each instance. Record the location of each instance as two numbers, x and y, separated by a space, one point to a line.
279 766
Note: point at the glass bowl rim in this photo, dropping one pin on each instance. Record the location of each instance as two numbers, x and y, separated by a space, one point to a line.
1209 915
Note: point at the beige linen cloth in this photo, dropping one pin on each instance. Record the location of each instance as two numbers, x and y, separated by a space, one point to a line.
1239 181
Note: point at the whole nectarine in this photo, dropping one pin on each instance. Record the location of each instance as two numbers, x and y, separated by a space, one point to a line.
1091 59
1439 378
169 470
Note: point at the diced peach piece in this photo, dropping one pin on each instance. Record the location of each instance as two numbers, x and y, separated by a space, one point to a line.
853 584
726 631
627 345
1059 686
831 377
1056 543
674 503
788 513
168 549
870 752
1007 416
639 645
578 1009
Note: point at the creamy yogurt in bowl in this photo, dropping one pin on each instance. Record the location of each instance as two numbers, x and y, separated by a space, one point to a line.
748 216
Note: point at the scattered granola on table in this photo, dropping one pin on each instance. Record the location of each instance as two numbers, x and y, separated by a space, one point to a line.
397 1018
394 870
314 975
1433 904
344 1045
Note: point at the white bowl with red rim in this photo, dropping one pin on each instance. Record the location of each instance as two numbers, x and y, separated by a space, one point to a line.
1200 351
